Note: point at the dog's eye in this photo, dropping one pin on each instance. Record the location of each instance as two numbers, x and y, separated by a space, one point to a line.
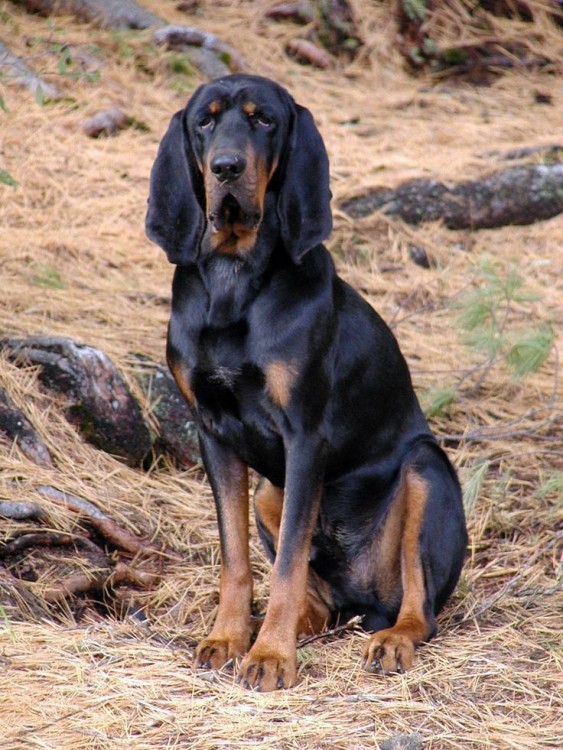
259 119
264 121
205 122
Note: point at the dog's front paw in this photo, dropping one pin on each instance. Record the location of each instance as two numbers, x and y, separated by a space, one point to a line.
389 652
265 669
214 653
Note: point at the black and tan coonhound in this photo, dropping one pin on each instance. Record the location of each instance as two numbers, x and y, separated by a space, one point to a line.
291 373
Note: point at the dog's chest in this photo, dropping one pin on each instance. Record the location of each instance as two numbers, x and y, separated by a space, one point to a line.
220 355
223 377
220 340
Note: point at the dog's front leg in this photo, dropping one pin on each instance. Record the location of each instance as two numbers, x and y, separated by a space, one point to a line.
272 661
230 636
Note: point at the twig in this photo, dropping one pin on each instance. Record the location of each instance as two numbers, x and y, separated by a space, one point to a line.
17 70
39 539
52 539
124 573
352 624
81 583
77 583
500 434
539 591
122 538
17 428
507 588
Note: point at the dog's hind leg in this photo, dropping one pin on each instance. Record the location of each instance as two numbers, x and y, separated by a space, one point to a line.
423 539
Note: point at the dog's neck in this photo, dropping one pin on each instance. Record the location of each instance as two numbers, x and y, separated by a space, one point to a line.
233 282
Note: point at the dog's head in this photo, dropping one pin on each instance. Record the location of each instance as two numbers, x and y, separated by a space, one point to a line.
239 138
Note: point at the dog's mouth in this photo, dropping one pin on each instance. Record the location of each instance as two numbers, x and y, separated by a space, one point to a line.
230 211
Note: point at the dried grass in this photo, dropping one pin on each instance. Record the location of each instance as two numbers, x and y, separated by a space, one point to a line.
492 678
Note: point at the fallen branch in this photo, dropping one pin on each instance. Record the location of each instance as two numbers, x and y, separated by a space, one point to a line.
537 593
301 12
82 583
308 53
77 583
518 195
39 539
14 69
21 511
124 573
105 13
108 122
489 433
121 538
182 37
17 428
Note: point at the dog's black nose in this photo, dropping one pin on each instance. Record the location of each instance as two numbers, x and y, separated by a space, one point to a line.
228 167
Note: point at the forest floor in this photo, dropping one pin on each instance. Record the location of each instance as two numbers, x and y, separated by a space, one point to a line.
74 262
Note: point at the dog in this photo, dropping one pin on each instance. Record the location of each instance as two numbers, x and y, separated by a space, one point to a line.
289 372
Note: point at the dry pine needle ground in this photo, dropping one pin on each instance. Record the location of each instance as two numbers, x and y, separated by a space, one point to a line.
74 262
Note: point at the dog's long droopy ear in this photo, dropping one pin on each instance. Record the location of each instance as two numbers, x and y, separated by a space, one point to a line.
175 217
304 198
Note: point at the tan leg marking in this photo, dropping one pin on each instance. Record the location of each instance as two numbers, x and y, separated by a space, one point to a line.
230 637
182 381
272 662
268 501
392 649
268 504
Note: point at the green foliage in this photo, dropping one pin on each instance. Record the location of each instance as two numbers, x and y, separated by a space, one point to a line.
180 63
435 401
552 486
122 40
3 106
415 55
454 55
136 124
48 277
305 655
66 65
40 96
6 628
7 179
529 352
472 487
487 320
415 9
